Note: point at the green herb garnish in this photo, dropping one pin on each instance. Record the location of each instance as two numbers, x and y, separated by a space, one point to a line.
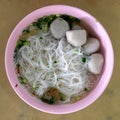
36 87
70 19
55 62
18 68
18 65
62 96
44 99
51 100
85 89
83 59
21 43
44 22
40 37
36 24
26 30
16 56
22 80
77 51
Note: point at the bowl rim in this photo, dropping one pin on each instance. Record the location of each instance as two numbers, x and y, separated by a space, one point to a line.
69 108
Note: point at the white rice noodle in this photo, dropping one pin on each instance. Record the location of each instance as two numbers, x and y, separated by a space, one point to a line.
49 62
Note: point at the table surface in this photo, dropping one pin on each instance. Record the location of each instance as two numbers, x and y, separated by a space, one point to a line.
107 107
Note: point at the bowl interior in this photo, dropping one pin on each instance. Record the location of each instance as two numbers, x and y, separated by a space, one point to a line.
94 28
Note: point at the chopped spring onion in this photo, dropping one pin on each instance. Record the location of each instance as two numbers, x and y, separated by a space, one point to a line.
27 43
51 100
44 22
26 30
55 62
85 89
83 59
36 87
18 65
22 80
40 37
77 51
21 43
62 96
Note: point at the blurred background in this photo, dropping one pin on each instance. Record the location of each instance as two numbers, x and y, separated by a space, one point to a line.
107 107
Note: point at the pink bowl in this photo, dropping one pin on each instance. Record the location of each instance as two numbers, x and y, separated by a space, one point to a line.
93 26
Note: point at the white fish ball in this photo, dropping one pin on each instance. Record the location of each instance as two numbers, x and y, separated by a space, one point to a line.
95 64
92 45
76 37
59 27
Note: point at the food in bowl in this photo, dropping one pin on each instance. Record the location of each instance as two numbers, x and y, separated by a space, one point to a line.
57 60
